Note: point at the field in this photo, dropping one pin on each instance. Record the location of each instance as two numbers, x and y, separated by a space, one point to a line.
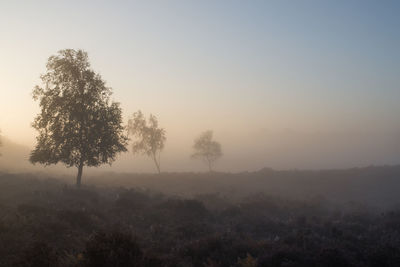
324 218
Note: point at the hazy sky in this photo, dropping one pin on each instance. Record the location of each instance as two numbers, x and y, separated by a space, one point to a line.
249 70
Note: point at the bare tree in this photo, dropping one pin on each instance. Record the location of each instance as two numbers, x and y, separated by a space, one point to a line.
78 124
207 149
150 138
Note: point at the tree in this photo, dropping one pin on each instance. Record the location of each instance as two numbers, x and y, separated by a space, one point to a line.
78 124
207 149
150 139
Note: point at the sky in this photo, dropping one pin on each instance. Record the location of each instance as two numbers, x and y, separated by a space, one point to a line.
284 84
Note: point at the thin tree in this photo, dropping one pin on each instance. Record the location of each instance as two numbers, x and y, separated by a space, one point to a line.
150 138
78 124
207 149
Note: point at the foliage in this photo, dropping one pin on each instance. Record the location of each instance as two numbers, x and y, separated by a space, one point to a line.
112 249
49 223
150 138
40 254
78 124
248 261
207 149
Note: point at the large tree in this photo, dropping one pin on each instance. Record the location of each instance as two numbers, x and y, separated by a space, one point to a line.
206 149
150 138
78 123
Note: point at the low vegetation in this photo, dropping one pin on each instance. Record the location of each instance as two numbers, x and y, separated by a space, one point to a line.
45 222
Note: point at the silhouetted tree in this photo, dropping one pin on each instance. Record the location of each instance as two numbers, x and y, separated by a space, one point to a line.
78 124
150 138
207 149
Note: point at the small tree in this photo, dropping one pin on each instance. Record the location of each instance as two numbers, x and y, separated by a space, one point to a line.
150 139
78 124
206 149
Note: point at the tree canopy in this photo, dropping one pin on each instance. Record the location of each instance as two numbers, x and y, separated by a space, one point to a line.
150 138
78 124
206 149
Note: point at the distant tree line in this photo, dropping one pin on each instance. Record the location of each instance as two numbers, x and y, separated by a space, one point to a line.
79 125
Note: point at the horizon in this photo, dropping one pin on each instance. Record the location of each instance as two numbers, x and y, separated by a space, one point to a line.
287 85
200 133
291 159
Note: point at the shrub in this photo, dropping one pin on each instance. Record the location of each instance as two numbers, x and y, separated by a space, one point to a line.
114 249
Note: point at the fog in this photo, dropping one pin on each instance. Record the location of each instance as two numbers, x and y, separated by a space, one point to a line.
248 151
199 133
325 98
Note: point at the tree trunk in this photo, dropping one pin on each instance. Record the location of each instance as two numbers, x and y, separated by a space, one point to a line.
157 163
79 176
209 164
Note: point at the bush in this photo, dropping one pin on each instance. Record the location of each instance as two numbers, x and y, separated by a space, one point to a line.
113 249
39 254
